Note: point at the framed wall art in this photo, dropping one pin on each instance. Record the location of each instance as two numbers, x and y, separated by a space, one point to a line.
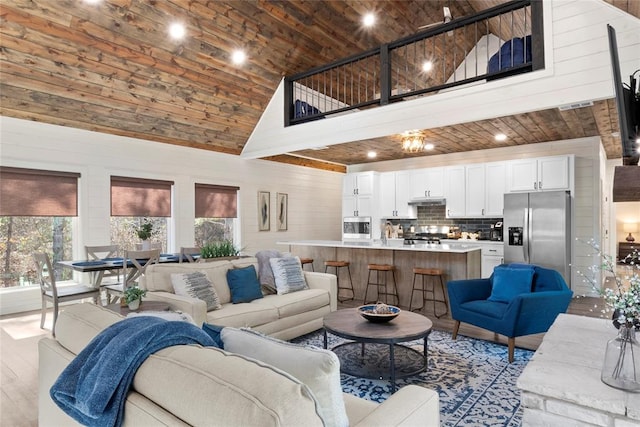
282 202
263 210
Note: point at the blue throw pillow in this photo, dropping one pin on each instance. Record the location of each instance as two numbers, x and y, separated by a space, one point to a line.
214 332
508 283
243 284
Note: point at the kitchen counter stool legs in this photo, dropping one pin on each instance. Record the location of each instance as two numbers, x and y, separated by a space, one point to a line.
383 287
305 261
337 265
431 274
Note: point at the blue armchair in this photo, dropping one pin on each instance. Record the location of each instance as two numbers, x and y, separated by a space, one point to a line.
517 300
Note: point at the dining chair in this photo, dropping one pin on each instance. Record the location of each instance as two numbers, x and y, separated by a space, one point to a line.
130 274
186 254
50 291
101 253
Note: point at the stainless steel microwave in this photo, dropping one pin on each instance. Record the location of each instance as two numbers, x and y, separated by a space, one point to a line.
356 228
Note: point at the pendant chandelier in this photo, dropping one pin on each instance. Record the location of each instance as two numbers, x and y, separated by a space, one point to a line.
413 141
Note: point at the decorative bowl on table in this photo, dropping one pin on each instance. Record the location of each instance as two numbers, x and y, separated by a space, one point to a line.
379 313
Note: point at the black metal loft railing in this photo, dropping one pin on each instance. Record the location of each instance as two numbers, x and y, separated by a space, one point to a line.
496 43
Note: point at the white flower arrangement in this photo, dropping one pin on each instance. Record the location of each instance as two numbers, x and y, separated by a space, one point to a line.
624 298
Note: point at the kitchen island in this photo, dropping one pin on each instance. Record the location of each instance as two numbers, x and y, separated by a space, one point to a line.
456 260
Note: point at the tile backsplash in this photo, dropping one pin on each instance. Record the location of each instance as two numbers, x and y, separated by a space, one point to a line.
436 215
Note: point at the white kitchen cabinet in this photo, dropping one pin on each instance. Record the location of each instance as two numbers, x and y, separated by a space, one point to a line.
475 190
393 195
492 255
495 186
359 183
539 174
427 183
358 194
455 191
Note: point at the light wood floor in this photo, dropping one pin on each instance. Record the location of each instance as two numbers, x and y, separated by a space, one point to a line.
19 336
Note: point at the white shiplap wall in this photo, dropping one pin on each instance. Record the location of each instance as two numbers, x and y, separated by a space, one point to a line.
314 195
586 215
577 69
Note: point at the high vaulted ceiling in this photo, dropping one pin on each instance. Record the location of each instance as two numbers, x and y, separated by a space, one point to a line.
111 67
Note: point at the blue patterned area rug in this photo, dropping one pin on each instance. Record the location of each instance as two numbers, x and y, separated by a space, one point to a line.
476 384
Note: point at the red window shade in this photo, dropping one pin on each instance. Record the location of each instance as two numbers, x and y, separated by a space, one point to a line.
30 192
140 197
216 201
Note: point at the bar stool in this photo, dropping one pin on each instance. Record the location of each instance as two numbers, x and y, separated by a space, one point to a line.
304 261
381 287
431 274
337 265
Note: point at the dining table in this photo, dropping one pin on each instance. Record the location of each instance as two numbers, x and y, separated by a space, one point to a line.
99 266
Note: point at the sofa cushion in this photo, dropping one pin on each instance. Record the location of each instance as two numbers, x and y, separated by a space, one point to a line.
296 302
508 283
239 315
78 324
196 285
243 284
485 308
265 272
288 274
209 386
317 368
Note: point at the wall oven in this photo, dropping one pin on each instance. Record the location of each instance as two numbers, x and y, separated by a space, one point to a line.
356 228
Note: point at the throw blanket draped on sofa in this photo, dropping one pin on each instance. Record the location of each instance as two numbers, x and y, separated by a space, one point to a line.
93 387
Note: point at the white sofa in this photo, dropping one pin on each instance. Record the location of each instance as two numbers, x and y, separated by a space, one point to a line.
281 316
193 385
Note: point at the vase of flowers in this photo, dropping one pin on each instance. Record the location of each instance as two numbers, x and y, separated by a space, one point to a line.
621 366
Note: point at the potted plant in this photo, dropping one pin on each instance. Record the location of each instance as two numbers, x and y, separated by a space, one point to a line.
144 232
223 249
133 297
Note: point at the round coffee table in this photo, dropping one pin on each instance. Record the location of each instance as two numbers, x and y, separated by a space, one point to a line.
408 326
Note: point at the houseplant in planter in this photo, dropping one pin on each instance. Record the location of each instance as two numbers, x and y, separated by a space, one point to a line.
133 297
144 232
219 250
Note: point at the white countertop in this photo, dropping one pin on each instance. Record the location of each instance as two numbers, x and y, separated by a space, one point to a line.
449 247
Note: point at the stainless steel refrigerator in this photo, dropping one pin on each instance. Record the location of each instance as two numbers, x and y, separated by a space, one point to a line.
537 230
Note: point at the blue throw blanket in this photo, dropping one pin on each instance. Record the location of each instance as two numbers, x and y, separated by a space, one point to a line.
93 387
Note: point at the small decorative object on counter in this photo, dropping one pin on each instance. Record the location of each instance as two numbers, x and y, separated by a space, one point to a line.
621 366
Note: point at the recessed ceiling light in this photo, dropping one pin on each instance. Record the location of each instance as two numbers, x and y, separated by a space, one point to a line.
238 57
500 137
428 146
427 66
372 154
177 31
369 19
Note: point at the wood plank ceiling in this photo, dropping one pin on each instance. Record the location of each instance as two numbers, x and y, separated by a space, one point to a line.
109 66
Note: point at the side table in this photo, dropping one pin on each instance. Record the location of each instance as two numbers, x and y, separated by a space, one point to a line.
144 306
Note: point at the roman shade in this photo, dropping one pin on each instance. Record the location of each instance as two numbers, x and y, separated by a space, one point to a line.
140 197
31 192
216 201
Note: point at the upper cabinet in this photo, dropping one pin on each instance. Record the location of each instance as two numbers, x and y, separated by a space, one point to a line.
393 195
427 183
359 194
495 178
475 191
541 174
455 194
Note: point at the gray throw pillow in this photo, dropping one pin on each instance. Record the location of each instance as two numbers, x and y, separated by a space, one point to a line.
196 285
265 273
288 275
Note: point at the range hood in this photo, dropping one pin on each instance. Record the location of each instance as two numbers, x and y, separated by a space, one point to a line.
428 202
626 184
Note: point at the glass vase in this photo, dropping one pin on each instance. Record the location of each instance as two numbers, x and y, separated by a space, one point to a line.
621 368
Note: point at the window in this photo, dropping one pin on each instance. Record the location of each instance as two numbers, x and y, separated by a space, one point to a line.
36 215
216 209
135 201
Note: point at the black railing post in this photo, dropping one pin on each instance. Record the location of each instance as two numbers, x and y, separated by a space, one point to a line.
385 75
537 35
288 101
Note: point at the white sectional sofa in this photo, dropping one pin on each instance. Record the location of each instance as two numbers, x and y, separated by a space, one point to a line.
281 316
206 386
